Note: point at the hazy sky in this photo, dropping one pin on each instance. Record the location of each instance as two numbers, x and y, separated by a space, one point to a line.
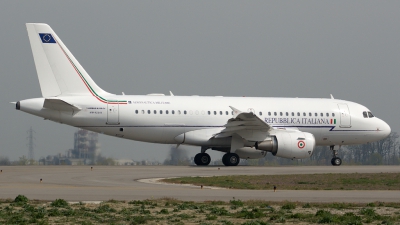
350 49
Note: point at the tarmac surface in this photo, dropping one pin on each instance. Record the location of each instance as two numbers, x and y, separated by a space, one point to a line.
80 183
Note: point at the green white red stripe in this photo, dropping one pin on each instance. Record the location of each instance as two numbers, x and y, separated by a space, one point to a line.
88 85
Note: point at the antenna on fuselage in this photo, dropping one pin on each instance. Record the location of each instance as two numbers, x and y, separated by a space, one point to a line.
332 97
170 92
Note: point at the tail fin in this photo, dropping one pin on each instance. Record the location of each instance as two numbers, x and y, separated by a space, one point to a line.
58 71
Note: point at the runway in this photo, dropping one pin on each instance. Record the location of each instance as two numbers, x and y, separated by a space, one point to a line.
80 183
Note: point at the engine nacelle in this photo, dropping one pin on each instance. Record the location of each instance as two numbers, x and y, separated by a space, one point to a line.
250 153
292 145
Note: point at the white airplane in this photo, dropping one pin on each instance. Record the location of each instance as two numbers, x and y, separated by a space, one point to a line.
243 127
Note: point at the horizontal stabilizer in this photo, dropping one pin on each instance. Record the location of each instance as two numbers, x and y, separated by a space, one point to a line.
59 105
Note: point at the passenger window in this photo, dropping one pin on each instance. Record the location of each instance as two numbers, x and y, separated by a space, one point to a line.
316 114
148 111
260 113
209 113
220 112
142 111
327 114
226 112
298 114
155 111
184 112
310 114
292 113
232 112
333 114
304 114
136 111
322 115
166 111
179 112
173 111
370 115
287 114
269 113
160 111
215 112
275 114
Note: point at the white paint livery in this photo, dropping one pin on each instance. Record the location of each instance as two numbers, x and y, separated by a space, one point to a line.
243 127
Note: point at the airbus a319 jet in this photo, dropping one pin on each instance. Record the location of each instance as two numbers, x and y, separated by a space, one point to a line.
242 127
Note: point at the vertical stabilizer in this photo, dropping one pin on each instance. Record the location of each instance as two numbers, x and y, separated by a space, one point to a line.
58 71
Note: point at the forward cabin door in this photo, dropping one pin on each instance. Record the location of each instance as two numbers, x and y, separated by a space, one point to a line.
345 118
113 113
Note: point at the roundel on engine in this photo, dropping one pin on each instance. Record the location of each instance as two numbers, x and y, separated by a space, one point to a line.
301 144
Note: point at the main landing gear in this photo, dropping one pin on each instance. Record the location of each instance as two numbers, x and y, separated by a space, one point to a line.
202 159
230 159
335 161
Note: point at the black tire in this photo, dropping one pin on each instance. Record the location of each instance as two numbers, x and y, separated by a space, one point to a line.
224 161
230 159
337 161
197 159
233 159
204 159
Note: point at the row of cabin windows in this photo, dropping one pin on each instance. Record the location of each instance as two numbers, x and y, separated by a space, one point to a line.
227 113
299 114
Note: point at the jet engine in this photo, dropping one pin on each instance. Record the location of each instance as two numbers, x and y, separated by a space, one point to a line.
292 145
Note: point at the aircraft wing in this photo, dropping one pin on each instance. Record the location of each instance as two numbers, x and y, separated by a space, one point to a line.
245 124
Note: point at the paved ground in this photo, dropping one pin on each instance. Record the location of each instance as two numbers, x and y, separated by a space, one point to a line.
80 183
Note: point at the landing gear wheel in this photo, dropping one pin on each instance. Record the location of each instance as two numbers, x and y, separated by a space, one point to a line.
224 161
336 161
230 159
202 159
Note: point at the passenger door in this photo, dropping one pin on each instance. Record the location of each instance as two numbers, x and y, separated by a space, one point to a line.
345 118
112 113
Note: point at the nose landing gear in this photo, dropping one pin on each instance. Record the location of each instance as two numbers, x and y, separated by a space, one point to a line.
335 161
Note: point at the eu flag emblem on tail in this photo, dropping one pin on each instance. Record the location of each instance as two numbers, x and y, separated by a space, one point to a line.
47 38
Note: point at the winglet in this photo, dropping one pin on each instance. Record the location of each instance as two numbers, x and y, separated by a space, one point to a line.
235 111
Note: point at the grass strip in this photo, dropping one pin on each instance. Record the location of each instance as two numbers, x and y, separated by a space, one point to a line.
352 181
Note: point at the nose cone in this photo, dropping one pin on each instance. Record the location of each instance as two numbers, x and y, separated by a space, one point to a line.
384 129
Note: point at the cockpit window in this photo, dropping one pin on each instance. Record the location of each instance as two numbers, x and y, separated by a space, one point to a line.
365 114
